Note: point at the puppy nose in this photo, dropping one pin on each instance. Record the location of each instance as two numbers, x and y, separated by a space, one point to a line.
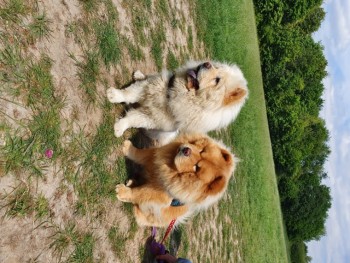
186 151
207 65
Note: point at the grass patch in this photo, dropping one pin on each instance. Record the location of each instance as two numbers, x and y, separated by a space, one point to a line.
83 252
42 208
88 72
190 39
135 51
117 240
20 202
25 149
162 8
158 37
108 42
89 5
140 20
172 62
39 28
13 66
38 85
13 10
97 179
254 201
69 236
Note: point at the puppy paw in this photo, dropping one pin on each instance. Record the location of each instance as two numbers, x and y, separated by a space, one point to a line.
138 75
115 95
124 193
126 147
119 127
129 182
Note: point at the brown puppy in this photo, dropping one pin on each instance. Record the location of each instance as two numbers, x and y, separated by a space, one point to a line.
194 169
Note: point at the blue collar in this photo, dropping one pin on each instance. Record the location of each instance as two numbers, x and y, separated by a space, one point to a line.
176 202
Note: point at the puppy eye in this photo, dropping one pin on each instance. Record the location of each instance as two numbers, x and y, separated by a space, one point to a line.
196 168
217 80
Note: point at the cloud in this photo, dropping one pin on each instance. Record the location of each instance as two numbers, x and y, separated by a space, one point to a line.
334 34
344 146
339 17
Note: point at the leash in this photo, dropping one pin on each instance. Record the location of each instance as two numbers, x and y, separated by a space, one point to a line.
159 248
170 227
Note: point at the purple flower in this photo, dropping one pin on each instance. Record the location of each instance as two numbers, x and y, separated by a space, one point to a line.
49 153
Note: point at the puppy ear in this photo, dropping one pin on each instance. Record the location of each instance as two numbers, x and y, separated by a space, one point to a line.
235 95
217 185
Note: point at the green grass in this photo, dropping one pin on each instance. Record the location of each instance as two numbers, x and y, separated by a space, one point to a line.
158 37
39 28
88 162
135 51
24 150
140 20
88 73
117 240
229 31
108 42
172 61
67 236
12 10
42 208
20 202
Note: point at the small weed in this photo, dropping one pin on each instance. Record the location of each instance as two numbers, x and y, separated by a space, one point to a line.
20 202
39 85
18 155
134 51
46 131
41 207
97 179
12 10
158 38
147 4
45 126
162 8
88 71
63 239
140 22
190 39
172 62
89 5
108 43
117 240
39 28
112 11
68 237
13 65
83 252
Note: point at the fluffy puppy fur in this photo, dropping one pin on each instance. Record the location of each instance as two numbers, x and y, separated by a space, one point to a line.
199 97
193 169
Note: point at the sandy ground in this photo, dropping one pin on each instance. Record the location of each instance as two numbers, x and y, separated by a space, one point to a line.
26 239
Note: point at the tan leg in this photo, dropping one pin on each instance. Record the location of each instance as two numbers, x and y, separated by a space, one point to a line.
141 194
150 219
172 212
140 156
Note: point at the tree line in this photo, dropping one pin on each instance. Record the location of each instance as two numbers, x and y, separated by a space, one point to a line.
293 67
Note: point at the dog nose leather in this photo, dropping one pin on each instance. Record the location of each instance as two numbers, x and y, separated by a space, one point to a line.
207 65
186 151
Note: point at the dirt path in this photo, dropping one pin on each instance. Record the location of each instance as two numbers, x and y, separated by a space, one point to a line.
25 238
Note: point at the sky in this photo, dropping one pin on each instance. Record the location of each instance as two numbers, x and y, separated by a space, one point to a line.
334 35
